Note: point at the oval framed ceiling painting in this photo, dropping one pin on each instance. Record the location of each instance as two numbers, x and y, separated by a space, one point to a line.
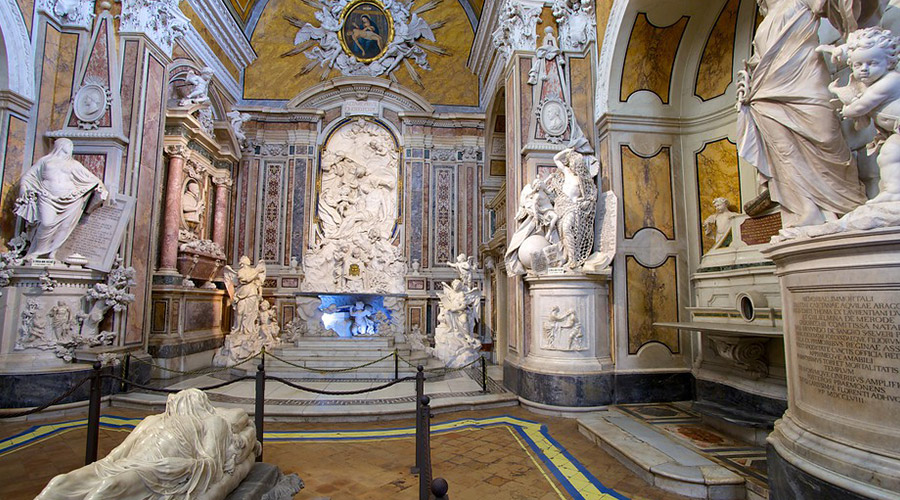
367 30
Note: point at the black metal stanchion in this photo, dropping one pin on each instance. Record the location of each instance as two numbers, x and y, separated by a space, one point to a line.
396 365
260 401
424 448
483 375
93 429
126 367
420 391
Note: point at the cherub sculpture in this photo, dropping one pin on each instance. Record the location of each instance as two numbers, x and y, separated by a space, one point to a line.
873 95
718 224
199 94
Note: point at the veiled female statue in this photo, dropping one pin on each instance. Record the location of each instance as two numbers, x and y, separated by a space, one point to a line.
53 194
787 127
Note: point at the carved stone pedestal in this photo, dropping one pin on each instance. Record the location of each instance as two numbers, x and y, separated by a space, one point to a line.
567 361
840 437
185 328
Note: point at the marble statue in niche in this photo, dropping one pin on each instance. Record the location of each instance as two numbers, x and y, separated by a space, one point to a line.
53 194
251 331
873 95
562 331
718 225
454 337
199 93
192 450
786 127
356 213
192 204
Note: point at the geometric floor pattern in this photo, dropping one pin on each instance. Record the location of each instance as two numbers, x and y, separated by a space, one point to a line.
483 454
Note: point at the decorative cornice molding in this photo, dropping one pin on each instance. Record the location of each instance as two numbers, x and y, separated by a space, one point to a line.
195 43
219 21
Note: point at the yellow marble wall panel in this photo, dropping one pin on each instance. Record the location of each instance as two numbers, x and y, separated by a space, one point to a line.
650 57
652 297
57 75
647 183
580 74
210 40
27 8
717 175
272 76
717 62
602 9
13 166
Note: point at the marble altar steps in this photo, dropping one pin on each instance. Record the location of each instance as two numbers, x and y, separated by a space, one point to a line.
335 353
663 461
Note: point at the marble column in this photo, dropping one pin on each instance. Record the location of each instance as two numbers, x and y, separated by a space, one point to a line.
220 215
168 256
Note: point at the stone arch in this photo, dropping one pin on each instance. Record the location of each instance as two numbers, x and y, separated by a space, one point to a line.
17 67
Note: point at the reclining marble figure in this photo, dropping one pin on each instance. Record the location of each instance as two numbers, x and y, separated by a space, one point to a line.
192 451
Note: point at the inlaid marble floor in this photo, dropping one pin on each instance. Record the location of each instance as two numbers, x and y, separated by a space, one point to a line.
505 453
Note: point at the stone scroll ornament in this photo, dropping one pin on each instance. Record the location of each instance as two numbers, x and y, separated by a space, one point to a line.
366 38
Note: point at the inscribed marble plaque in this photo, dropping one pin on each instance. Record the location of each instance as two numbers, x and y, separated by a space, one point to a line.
99 234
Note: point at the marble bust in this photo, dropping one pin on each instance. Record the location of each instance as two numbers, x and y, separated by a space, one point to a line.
53 194
193 450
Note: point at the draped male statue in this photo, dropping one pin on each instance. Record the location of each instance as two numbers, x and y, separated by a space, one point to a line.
192 451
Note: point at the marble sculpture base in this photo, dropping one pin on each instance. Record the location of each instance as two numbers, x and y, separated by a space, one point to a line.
841 296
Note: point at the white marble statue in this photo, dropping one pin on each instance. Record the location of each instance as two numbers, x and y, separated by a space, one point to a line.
465 267
238 120
114 294
192 204
192 451
247 336
454 340
199 93
562 331
873 95
53 194
537 226
575 203
357 212
268 324
718 225
577 24
362 316
786 126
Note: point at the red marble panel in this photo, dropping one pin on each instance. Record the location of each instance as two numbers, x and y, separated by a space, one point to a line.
57 74
129 70
146 180
96 163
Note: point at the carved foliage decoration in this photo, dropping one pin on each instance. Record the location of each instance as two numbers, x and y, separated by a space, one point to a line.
161 20
78 13
366 38
516 27
577 24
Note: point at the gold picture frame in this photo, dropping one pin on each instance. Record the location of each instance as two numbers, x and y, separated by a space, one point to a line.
367 29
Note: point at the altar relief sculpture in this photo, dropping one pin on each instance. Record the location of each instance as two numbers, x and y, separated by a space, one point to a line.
460 302
786 127
53 194
356 212
192 450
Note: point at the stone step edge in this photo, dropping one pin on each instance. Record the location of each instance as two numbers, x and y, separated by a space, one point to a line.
668 475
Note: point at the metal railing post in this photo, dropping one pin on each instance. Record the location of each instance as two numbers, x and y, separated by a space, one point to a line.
420 391
396 364
126 368
424 448
260 402
483 375
93 429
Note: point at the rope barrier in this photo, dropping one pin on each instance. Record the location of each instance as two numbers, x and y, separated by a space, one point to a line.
322 370
47 405
443 370
172 391
201 371
340 393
